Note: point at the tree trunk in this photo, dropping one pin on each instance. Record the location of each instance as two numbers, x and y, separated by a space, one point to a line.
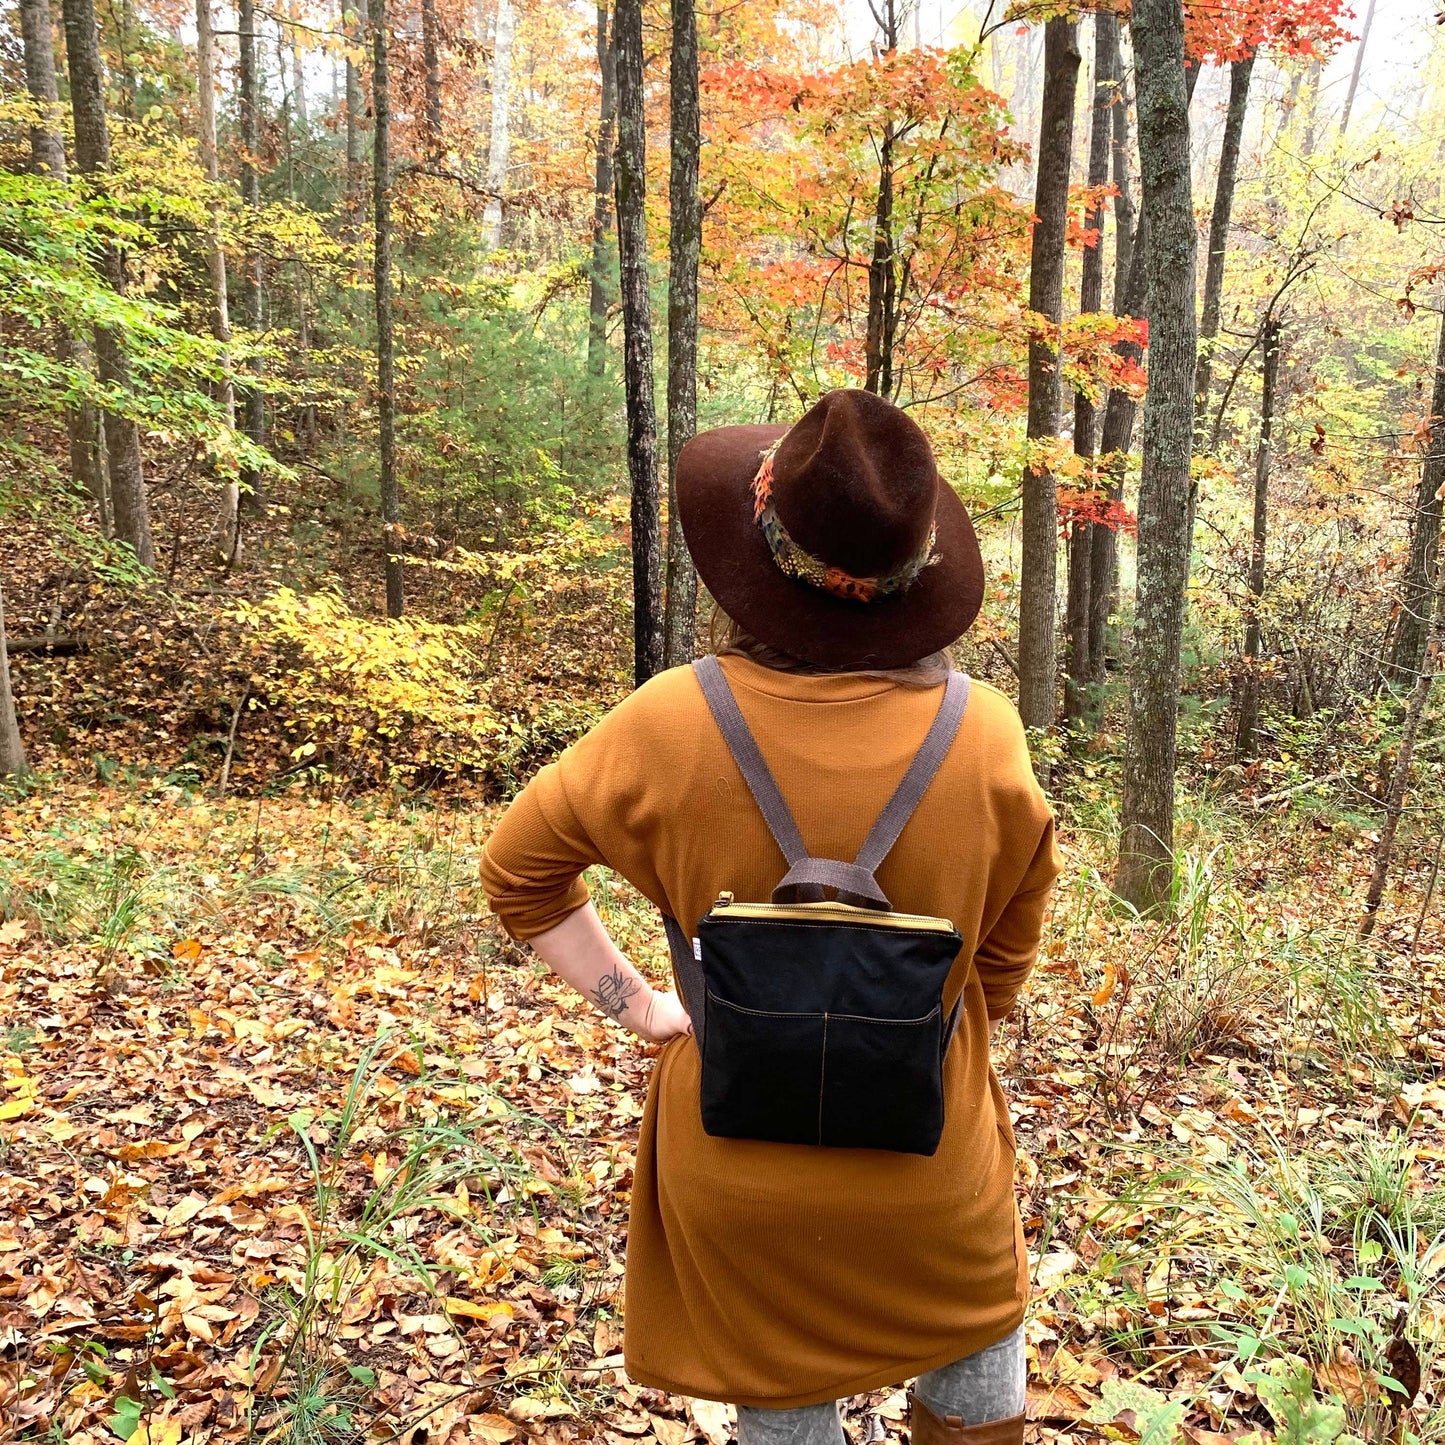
1239 77
1420 575
47 155
684 243
1124 220
431 57
248 106
1037 666
500 145
1091 296
1400 780
1246 742
1146 841
385 342
1114 439
288 129
92 158
228 523
1355 73
882 273
1312 108
47 148
602 201
355 113
647 620
298 84
12 749
882 278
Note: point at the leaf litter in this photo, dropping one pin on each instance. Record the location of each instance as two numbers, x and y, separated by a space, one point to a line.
295 1145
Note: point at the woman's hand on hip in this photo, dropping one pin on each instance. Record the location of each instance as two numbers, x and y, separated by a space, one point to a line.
664 1018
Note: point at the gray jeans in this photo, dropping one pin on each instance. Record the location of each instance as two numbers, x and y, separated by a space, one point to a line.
982 1387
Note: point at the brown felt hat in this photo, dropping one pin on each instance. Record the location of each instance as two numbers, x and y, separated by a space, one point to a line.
833 540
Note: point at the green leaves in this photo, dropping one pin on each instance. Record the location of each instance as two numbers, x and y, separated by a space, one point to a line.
53 237
1287 1389
1153 1417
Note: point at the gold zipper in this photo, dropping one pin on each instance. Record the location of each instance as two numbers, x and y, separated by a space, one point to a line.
826 913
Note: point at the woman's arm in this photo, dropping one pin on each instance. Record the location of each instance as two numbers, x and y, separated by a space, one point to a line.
579 950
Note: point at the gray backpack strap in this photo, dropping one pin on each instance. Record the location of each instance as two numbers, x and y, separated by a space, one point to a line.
688 969
808 876
743 747
921 772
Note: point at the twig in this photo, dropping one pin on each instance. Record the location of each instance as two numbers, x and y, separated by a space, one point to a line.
49 642
231 739
1299 788
997 646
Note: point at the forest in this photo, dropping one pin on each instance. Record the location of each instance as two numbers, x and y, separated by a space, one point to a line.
346 354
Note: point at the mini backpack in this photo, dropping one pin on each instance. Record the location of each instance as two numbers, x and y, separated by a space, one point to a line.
820 1021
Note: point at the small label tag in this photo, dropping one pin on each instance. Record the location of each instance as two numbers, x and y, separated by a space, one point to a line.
697 949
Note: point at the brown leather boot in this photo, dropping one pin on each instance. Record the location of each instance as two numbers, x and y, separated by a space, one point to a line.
926 1427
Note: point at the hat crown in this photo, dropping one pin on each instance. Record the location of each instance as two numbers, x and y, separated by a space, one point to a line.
855 484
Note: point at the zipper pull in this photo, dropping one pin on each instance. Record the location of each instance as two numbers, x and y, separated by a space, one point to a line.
724 900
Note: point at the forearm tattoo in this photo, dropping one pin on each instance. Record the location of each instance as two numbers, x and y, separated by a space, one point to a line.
613 992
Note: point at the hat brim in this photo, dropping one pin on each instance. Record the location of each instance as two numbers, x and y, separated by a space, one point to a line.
715 471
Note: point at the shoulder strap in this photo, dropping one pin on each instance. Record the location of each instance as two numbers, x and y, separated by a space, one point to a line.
921 772
741 744
808 876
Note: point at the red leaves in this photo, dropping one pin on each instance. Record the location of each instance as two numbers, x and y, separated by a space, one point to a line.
1225 33
1090 505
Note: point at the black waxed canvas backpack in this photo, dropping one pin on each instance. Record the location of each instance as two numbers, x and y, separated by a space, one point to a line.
821 1021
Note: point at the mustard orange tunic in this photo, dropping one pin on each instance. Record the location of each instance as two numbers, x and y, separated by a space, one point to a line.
779 1275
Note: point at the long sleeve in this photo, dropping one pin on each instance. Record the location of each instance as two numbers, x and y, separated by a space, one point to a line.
532 864
1005 957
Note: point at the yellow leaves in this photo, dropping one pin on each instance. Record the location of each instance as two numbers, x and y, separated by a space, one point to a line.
157 1432
22 1090
477 1309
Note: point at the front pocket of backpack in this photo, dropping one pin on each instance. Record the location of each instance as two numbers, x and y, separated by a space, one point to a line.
883 1083
762 1073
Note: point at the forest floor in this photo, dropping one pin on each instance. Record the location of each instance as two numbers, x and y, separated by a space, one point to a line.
295 1145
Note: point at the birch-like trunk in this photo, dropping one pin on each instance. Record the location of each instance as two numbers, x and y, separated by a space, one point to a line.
647 620
1246 739
499 147
1144 874
228 524
1037 661
13 763
1359 65
129 505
